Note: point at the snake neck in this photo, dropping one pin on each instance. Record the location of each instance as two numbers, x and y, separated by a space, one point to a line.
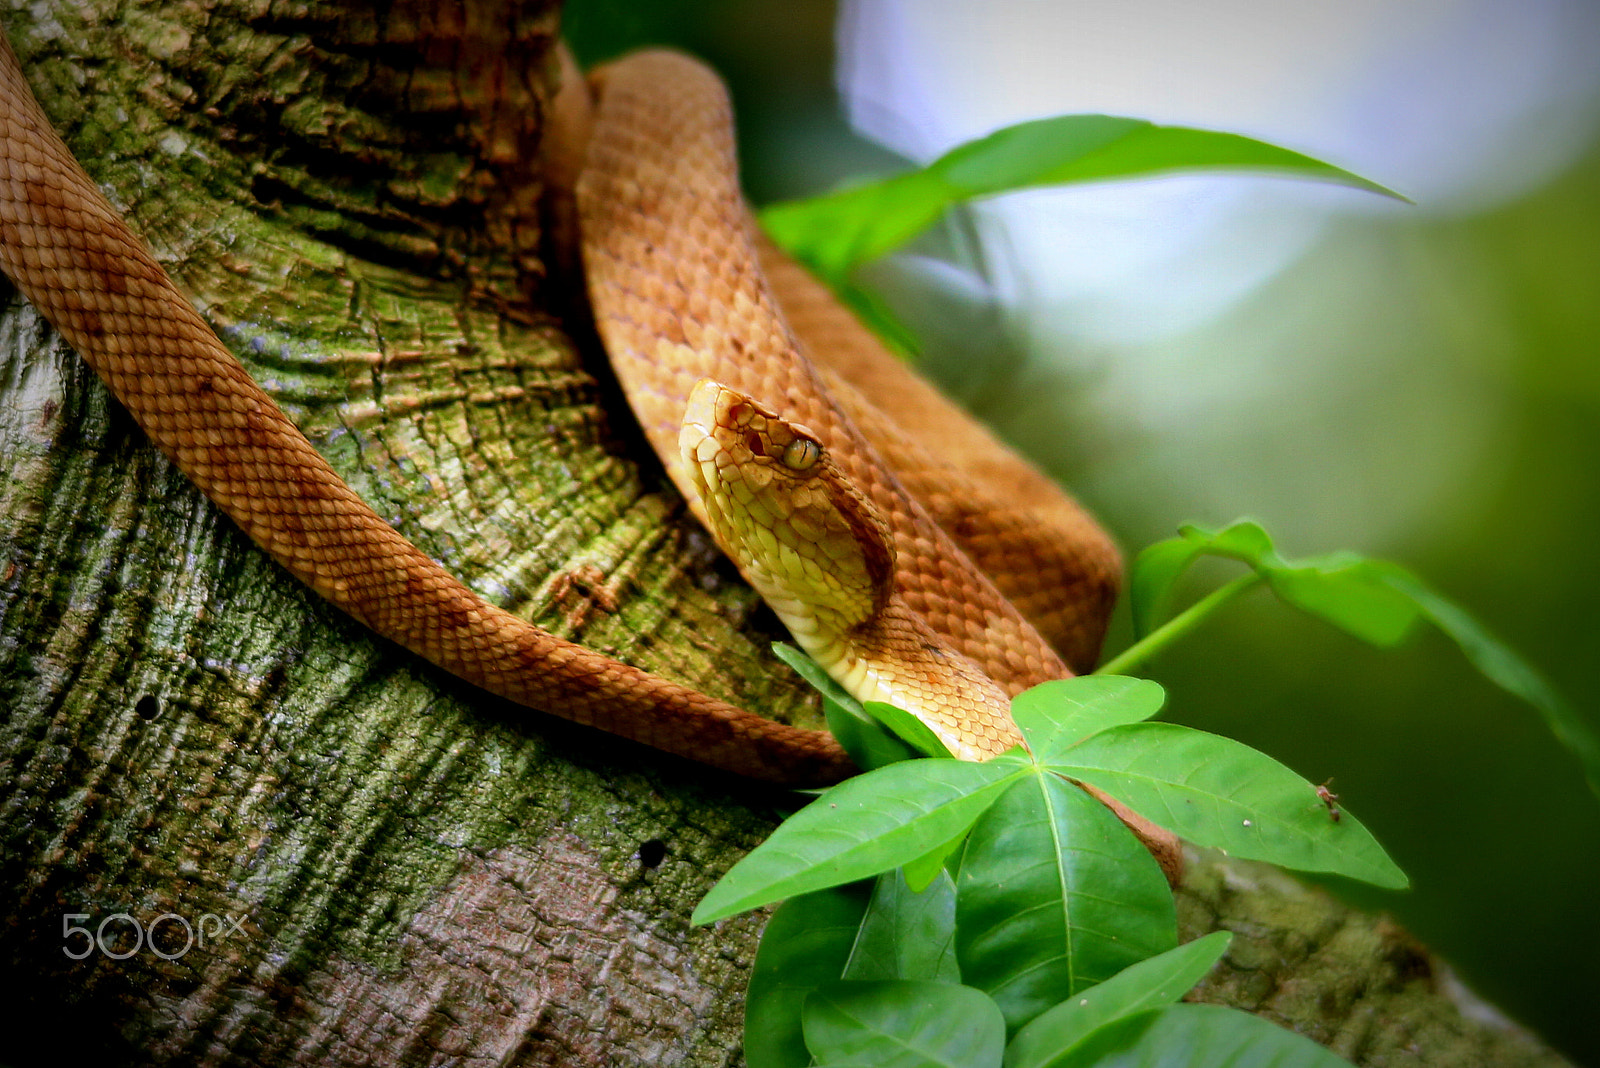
897 658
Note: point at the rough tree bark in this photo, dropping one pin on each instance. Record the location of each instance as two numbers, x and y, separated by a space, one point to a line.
397 868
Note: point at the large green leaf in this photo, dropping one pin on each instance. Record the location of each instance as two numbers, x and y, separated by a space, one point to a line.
807 943
1149 984
861 827
1054 716
906 934
1216 792
837 232
1055 895
903 1024
1194 1036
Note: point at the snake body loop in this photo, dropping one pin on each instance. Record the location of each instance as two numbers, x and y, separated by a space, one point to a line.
674 274
70 254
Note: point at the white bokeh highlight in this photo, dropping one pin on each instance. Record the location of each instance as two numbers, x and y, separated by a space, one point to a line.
1459 104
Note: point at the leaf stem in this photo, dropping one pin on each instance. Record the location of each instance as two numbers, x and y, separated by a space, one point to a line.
1176 627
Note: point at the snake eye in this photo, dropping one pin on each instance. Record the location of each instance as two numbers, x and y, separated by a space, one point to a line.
801 454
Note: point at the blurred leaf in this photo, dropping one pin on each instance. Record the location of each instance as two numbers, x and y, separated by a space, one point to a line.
875 313
1505 669
903 1024
1149 984
1151 579
839 231
1373 600
806 943
1055 895
869 744
1217 792
1056 715
861 827
1351 595
906 934
1192 1036
1243 539
1343 589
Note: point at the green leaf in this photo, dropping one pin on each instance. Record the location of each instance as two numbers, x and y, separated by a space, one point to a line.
1055 895
1150 984
819 679
906 934
1373 600
861 827
908 728
1243 539
1151 579
1055 716
904 1024
868 743
1216 792
839 231
1505 669
806 943
1343 589
1194 1036
1080 148
862 736
1350 594
921 873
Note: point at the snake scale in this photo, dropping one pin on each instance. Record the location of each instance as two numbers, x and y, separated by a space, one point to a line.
683 290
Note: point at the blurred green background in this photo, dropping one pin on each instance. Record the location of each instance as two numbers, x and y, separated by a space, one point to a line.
1415 386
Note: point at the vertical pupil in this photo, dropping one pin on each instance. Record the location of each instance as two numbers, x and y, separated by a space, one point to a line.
802 454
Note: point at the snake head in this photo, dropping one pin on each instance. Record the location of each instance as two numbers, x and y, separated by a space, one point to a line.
811 543
822 556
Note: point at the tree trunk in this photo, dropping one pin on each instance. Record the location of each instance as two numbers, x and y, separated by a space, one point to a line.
333 852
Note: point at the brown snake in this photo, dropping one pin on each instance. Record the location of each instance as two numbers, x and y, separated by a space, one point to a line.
673 269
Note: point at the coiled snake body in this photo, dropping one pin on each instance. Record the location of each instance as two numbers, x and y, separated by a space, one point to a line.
675 275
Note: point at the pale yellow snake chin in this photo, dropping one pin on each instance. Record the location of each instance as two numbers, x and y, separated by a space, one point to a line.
680 294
